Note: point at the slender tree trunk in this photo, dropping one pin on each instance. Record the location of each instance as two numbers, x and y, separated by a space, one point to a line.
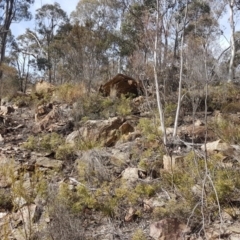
233 47
7 22
159 103
180 77
49 64
175 45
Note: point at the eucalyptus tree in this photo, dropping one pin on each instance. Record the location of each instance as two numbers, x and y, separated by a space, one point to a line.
23 55
101 20
11 11
48 19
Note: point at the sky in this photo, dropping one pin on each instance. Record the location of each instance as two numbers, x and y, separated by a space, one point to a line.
67 5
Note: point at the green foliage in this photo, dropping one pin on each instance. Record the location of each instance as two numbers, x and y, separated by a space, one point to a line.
22 101
151 159
232 107
108 198
51 142
222 95
180 209
41 98
149 129
35 99
123 106
187 182
143 164
86 145
45 142
94 106
31 143
82 168
145 190
65 195
225 128
30 188
22 186
85 199
70 93
169 111
65 152
139 235
224 184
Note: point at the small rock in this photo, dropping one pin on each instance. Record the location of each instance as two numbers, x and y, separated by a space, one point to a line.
130 174
6 110
49 163
198 123
235 228
219 146
130 215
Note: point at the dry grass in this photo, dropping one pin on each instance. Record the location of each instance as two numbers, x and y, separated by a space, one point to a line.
70 93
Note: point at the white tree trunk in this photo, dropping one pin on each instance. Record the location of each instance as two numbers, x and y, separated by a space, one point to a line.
159 103
180 76
232 42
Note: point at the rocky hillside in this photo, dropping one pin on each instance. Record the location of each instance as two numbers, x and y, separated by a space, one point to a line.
76 166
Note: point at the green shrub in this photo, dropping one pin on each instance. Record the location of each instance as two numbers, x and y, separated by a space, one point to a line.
226 129
65 152
51 142
31 143
139 235
70 93
232 107
86 145
170 109
44 142
23 101
94 106
145 190
124 106
149 129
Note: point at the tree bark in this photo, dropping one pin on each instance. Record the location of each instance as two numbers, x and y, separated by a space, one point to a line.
180 76
233 47
159 103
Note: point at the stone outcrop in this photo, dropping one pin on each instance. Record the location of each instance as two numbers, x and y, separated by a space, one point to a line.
168 229
106 132
121 84
219 146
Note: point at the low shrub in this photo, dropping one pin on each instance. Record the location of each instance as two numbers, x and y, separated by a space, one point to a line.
226 129
70 93
232 107
65 152
94 106
44 142
138 235
149 129
51 142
